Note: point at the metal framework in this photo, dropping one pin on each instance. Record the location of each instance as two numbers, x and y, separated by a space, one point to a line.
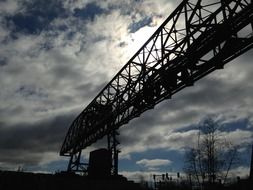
196 39
112 146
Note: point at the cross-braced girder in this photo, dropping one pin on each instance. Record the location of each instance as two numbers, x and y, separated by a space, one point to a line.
76 165
196 39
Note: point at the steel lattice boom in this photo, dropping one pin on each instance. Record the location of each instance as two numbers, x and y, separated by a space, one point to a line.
196 39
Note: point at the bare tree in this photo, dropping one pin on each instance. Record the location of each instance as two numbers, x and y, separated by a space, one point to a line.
212 158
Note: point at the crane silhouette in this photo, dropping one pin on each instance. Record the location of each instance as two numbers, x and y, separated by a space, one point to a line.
198 38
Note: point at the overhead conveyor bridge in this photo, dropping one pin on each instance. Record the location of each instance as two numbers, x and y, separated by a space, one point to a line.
196 39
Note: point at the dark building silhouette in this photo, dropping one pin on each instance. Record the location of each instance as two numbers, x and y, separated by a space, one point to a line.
100 163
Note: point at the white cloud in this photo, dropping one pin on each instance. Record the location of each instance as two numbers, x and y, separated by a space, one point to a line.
154 162
239 137
150 140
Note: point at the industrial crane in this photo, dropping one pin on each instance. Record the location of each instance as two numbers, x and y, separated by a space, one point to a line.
197 38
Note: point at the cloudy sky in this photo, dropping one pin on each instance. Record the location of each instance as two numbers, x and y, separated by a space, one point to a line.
55 56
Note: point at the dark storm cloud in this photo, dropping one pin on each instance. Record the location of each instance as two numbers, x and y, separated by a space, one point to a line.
26 142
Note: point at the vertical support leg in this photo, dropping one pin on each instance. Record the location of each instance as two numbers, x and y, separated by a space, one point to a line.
112 146
70 163
115 152
75 164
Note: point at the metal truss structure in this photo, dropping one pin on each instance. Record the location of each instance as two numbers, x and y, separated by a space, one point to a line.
196 39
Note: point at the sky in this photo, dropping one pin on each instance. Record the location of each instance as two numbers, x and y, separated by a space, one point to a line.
55 56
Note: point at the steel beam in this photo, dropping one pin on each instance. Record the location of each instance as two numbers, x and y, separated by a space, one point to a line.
196 39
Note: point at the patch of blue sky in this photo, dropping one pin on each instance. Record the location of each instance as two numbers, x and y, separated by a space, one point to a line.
241 124
52 167
177 161
245 156
37 16
135 26
174 156
27 23
89 12
187 128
